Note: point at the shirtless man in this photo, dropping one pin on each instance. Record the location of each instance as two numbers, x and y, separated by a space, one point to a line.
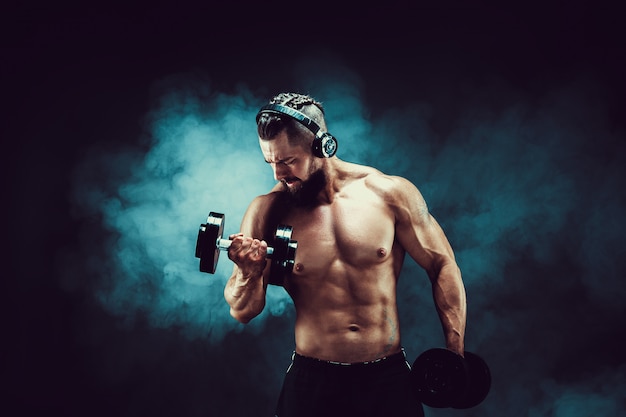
353 225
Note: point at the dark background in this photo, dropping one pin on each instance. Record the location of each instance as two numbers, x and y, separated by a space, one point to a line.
75 75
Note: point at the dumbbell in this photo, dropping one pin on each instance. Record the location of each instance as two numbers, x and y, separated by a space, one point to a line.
210 244
444 379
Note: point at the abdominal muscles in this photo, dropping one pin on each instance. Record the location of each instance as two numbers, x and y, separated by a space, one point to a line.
350 317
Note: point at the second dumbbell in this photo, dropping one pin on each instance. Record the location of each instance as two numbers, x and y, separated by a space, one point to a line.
442 378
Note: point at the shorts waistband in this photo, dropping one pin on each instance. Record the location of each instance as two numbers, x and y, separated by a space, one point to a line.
305 360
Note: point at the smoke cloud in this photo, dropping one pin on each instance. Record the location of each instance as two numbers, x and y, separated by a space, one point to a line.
526 188
198 155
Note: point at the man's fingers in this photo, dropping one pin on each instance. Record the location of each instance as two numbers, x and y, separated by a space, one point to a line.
258 248
242 247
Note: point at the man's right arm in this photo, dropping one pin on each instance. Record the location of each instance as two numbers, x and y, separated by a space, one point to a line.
245 289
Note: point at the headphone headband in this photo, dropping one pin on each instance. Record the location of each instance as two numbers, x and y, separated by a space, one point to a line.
293 113
324 145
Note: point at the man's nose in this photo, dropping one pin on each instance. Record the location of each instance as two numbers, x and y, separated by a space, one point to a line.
280 171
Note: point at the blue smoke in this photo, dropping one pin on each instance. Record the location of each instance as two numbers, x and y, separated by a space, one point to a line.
198 156
526 189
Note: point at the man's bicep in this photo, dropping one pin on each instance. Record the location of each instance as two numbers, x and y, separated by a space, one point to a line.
418 231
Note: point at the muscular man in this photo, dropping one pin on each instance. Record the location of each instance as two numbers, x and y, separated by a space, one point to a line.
353 225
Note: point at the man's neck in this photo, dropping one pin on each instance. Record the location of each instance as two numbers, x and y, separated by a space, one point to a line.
332 183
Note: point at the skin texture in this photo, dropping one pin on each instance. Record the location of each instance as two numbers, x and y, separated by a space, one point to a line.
353 235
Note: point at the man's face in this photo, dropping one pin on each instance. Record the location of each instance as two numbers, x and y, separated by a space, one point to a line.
292 165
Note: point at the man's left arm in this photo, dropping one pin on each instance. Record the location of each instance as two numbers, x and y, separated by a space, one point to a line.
424 240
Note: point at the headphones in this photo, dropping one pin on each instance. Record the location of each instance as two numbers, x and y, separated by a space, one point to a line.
324 145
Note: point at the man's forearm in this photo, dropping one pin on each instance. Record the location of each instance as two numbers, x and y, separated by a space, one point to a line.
450 301
245 296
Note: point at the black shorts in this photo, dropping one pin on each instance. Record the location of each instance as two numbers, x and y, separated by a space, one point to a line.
315 388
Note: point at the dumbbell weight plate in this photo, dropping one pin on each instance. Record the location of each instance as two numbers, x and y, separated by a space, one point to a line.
283 258
439 377
206 248
479 382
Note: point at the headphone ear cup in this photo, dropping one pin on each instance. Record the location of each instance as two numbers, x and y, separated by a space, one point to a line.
324 146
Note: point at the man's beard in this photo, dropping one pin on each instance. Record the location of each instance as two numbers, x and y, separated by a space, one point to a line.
306 194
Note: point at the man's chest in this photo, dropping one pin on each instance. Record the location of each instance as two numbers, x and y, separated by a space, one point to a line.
352 231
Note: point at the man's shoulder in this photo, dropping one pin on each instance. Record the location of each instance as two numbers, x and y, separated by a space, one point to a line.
380 182
263 214
398 192
264 202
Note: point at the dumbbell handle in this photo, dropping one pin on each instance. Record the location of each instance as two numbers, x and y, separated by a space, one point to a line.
224 244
